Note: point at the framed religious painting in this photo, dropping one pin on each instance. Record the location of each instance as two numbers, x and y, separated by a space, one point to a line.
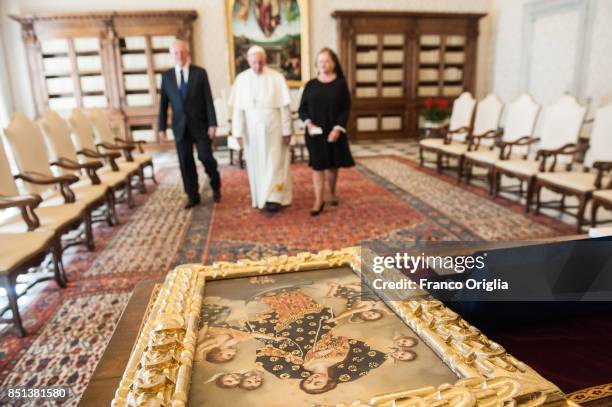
279 26
308 331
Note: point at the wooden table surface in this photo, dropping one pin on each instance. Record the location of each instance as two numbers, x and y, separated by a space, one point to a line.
105 380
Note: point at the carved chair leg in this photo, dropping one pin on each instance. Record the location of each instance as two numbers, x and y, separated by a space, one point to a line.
110 207
531 183
231 156
241 160
582 201
89 237
153 174
114 217
491 179
460 168
594 208
141 184
439 162
537 189
496 182
8 282
128 191
562 203
58 267
421 158
469 170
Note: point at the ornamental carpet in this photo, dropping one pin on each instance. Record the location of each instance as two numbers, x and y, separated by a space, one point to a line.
383 199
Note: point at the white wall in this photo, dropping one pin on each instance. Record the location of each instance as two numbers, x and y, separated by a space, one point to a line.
5 94
599 72
210 42
595 68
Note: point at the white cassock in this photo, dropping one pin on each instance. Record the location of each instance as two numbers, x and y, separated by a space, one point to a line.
261 117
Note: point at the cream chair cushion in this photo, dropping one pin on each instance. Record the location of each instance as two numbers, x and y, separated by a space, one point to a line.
29 149
521 117
51 218
112 179
432 143
104 134
298 140
142 158
58 137
7 182
485 156
491 157
600 143
83 139
561 124
101 125
461 115
18 248
109 179
86 194
603 195
453 148
488 115
127 166
233 144
577 181
82 133
124 170
139 159
526 168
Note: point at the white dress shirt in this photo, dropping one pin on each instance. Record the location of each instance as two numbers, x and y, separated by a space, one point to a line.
177 71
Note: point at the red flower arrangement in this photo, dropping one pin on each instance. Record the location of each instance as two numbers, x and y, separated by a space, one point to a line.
435 110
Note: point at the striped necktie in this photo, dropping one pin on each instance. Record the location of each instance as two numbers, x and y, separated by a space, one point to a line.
183 85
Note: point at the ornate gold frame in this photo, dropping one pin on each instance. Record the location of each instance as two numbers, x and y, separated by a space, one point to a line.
159 369
304 38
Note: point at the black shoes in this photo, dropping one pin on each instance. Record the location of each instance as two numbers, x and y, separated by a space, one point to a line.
334 202
273 207
318 212
195 202
192 202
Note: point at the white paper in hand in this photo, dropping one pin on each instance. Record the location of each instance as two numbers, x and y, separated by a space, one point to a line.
315 131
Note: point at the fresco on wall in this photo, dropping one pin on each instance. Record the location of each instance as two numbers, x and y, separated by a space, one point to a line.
275 25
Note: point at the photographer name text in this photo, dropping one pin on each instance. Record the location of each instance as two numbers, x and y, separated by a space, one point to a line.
425 284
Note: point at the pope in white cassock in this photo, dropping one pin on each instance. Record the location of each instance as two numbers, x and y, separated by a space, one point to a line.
262 123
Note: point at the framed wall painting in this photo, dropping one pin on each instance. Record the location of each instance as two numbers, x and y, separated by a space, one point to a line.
306 330
281 27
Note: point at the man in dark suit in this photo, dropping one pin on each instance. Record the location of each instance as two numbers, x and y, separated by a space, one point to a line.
185 87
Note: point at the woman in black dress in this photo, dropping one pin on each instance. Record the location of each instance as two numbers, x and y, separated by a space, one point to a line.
325 108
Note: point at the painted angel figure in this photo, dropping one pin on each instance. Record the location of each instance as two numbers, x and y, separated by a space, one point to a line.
218 340
360 306
241 9
246 379
219 344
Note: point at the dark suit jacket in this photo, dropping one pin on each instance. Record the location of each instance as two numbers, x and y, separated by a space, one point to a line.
196 112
